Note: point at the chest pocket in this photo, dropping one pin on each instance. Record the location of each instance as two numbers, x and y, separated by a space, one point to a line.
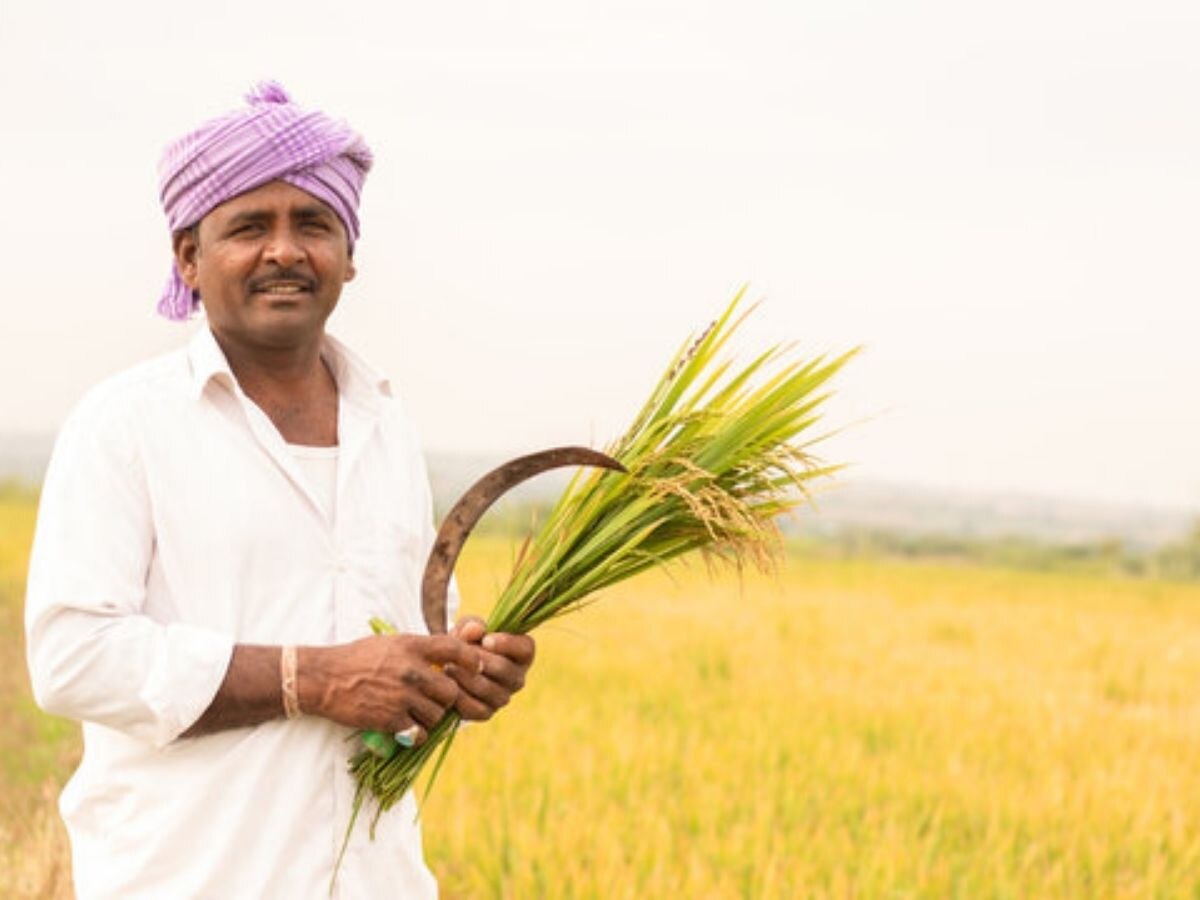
383 563
384 536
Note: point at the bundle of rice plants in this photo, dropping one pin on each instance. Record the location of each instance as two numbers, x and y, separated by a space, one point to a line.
713 459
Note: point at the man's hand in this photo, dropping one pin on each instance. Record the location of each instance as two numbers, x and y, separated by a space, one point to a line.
385 683
506 659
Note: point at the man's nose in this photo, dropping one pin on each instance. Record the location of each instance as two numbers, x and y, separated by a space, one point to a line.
284 248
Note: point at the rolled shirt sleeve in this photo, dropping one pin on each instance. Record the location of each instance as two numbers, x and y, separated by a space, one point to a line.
93 653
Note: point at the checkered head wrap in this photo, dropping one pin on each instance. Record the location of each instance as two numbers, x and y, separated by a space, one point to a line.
272 139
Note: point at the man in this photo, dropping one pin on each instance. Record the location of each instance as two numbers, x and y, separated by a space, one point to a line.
217 527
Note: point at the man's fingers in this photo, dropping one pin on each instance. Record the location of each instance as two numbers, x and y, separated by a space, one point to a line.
520 648
473 710
470 629
504 672
437 686
443 649
425 711
485 688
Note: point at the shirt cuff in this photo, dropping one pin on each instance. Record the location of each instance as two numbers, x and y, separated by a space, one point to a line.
187 671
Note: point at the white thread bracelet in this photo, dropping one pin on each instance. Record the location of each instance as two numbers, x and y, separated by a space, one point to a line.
287 675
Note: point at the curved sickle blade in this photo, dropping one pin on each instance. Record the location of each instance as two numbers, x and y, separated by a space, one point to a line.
472 505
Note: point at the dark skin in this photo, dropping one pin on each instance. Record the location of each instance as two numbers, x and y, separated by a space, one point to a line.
270 265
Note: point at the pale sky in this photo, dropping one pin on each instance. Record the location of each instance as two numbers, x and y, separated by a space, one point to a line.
1000 201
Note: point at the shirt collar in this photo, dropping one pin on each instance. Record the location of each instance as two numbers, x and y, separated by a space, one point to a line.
357 381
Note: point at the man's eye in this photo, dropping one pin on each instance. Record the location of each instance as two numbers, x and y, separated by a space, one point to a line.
245 230
316 226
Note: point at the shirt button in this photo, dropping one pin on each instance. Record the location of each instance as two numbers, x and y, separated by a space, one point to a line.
339 564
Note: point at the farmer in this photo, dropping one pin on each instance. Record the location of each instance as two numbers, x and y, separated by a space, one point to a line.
218 525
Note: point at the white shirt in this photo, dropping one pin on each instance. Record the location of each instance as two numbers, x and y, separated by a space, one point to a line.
173 524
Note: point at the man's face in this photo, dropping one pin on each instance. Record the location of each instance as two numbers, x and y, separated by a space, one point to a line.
269 265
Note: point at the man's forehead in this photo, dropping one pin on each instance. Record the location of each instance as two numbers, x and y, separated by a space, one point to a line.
272 199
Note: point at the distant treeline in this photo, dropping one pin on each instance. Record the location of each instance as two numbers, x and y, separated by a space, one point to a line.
1177 560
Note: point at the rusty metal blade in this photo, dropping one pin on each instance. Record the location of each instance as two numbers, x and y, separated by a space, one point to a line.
473 504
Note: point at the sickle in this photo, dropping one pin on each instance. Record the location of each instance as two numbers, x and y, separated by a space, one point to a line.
472 505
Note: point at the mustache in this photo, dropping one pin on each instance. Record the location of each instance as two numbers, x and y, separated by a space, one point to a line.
257 284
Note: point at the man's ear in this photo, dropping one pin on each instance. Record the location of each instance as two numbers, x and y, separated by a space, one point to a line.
186 245
350 271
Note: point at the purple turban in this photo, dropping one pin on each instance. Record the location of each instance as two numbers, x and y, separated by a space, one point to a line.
272 139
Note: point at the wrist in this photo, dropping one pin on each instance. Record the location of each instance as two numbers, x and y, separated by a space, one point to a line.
311 682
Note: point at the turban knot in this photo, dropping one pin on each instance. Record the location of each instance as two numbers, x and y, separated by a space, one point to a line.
272 139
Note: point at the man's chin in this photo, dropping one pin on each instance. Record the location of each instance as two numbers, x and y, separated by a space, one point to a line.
286 325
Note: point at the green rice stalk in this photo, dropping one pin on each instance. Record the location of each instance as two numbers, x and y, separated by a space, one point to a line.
714 457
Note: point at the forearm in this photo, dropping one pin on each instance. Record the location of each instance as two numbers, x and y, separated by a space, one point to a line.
250 693
252 690
381 683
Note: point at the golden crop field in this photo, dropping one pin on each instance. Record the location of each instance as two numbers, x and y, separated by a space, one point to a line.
847 729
